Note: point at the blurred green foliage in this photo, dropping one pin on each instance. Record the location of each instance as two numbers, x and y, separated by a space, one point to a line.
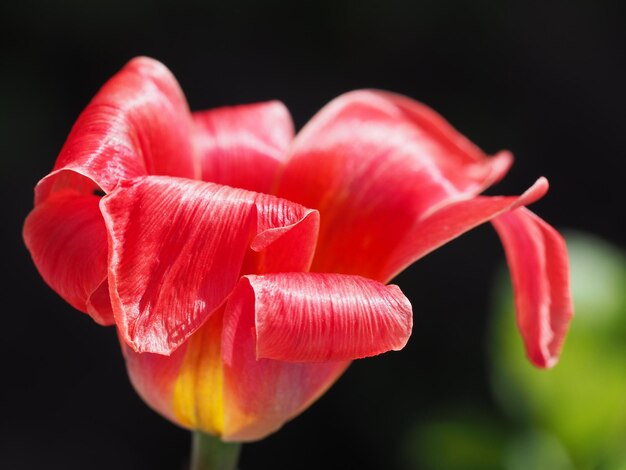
458 441
582 400
570 417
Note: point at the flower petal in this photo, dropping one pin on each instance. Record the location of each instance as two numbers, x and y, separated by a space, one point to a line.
299 317
286 237
66 237
186 386
243 146
310 317
450 221
537 258
198 394
244 401
154 377
260 395
177 248
99 304
373 163
137 124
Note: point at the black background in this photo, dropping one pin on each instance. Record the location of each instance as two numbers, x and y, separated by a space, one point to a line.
545 79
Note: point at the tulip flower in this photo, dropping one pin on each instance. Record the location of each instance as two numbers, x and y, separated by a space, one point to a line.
245 267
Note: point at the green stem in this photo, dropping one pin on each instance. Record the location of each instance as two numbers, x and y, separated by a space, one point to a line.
209 453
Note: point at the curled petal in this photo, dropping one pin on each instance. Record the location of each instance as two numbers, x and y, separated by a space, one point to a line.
67 239
309 317
286 237
452 220
373 163
537 259
261 394
243 146
137 124
177 248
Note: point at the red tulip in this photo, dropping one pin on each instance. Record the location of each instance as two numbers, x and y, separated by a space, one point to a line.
235 308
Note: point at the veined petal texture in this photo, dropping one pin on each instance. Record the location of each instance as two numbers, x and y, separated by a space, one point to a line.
177 248
312 317
243 146
67 241
137 124
373 164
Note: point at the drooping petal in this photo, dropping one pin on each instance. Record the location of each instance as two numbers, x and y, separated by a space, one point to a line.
137 124
177 248
539 266
67 241
243 146
310 317
373 163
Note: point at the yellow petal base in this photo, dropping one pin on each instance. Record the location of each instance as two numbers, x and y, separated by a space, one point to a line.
198 398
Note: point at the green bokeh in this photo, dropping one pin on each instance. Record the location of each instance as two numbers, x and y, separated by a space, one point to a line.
461 439
572 417
582 401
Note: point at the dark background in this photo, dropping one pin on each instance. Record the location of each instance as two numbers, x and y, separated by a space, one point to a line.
544 79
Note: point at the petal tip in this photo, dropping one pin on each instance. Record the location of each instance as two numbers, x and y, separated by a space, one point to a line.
503 161
146 63
534 193
542 361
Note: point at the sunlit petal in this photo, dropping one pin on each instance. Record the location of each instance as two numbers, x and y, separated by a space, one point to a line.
177 248
137 124
373 164
310 317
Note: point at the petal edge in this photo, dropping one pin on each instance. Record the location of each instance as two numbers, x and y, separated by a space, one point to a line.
537 258
310 317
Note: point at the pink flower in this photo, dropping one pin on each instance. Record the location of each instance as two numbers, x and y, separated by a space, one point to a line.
244 269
